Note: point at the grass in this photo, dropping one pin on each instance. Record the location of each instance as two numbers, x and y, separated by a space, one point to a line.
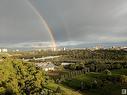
108 88
66 90
72 86
120 71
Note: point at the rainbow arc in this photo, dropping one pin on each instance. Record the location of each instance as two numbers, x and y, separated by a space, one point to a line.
43 21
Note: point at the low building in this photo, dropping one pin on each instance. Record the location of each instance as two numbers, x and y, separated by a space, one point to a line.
64 64
86 69
4 50
47 66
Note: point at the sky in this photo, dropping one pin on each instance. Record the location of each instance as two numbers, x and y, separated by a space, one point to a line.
73 22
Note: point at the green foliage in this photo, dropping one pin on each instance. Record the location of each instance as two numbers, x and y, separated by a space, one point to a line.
58 90
123 79
61 88
17 77
21 78
96 84
107 72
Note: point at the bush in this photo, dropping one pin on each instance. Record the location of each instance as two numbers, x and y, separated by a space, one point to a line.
107 72
58 90
123 79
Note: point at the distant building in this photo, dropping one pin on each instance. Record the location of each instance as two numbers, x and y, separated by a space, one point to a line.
64 64
124 48
17 50
64 48
115 48
99 47
47 66
4 50
54 49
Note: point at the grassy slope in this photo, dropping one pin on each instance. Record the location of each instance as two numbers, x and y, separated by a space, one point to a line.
109 88
66 90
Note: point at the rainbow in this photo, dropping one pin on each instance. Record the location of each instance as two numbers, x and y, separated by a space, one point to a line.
53 46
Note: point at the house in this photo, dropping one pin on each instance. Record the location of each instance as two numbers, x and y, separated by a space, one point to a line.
4 50
47 66
86 69
64 63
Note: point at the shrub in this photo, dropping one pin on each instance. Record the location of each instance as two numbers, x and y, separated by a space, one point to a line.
107 72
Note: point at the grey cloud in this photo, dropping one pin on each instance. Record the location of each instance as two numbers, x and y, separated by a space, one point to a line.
70 20
18 23
86 20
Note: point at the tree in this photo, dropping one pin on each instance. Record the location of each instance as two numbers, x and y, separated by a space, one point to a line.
72 66
18 77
